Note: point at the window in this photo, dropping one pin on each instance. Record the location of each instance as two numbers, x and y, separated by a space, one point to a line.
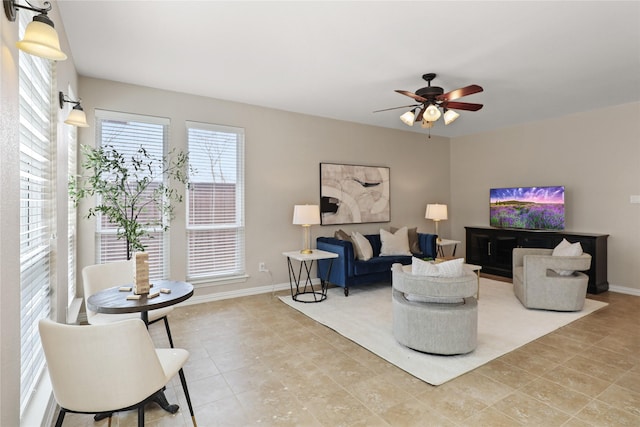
215 205
72 148
37 213
126 133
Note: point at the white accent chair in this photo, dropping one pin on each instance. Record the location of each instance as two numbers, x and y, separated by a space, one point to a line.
537 284
98 277
106 368
436 315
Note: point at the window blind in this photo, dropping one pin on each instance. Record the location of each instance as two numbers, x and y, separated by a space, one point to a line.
37 211
215 201
72 169
126 133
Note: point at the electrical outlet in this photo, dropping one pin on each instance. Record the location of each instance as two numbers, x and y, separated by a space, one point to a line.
262 267
634 199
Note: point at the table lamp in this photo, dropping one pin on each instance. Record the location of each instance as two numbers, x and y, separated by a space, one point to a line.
306 216
436 213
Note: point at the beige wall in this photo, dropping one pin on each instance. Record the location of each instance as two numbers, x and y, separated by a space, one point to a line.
283 151
595 155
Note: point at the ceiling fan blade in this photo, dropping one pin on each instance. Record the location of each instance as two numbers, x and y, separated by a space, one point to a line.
412 95
459 93
462 106
395 108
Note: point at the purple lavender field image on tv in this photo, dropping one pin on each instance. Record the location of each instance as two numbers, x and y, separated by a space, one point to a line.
532 208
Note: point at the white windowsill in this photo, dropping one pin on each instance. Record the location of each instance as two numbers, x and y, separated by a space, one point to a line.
42 407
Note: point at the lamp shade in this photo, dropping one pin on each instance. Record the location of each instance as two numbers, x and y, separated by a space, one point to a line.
431 114
436 212
450 116
408 118
41 39
77 117
306 214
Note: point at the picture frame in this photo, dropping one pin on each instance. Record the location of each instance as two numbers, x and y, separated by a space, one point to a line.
354 194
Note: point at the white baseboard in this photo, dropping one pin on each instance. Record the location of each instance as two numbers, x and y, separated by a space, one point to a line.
218 296
624 290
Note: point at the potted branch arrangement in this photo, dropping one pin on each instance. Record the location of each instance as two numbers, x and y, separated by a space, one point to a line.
131 191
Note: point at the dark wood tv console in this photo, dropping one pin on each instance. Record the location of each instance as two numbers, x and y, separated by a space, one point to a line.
491 248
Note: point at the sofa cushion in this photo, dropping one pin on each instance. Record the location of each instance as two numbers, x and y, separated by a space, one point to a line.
376 243
394 243
412 233
378 264
341 235
565 248
362 246
423 268
452 268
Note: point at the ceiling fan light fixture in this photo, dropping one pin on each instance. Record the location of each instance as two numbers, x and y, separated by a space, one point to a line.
450 116
409 117
426 124
432 113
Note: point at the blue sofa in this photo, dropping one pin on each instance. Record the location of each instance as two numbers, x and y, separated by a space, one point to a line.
346 270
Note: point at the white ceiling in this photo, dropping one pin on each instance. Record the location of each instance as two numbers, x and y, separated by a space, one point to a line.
343 60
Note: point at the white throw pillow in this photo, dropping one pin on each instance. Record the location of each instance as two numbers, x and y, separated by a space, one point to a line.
424 268
395 243
364 251
452 268
565 248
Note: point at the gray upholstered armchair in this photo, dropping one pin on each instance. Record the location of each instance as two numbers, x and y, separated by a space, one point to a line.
435 314
537 284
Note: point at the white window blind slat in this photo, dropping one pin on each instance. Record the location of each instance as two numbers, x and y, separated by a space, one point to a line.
215 201
37 215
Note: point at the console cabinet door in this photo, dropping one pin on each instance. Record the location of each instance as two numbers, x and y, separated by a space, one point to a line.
502 252
478 248
491 250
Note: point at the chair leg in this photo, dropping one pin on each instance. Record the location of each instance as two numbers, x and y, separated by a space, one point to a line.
141 415
61 417
183 380
166 326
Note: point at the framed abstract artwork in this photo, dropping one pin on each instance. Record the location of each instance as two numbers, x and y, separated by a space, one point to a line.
352 194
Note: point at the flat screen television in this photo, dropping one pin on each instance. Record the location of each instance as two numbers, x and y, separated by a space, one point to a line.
529 208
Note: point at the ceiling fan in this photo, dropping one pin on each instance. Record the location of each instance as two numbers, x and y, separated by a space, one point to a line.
432 99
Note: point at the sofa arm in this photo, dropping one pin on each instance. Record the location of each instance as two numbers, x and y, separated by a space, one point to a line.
536 266
517 259
427 243
342 267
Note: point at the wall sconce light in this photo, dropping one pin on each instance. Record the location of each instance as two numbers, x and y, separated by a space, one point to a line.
40 37
306 216
76 117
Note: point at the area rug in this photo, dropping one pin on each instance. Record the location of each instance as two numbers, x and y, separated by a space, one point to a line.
503 325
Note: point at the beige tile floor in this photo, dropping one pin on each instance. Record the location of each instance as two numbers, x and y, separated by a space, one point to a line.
257 362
